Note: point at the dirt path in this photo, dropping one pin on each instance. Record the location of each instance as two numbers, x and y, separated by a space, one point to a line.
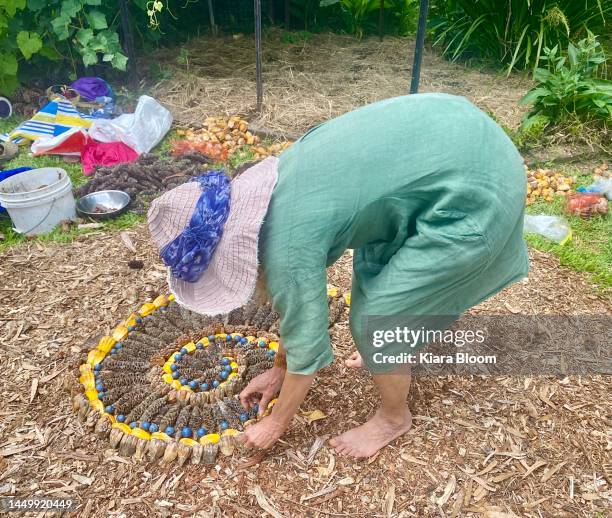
533 447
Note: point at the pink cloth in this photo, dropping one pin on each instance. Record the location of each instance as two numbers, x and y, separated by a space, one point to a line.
105 153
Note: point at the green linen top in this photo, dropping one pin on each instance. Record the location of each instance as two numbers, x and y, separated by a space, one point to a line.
426 188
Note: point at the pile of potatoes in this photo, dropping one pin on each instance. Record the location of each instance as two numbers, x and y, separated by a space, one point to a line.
543 184
224 136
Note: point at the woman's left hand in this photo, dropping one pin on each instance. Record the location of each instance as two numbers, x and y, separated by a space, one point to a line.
264 434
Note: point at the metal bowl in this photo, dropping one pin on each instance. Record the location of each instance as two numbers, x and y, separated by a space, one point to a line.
103 204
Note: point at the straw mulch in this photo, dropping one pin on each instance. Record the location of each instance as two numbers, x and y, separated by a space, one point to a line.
311 81
493 447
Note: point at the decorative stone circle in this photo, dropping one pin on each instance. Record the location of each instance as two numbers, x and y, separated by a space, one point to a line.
164 384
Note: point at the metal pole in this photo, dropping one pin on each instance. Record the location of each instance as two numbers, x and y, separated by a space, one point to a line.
418 47
381 20
211 16
258 54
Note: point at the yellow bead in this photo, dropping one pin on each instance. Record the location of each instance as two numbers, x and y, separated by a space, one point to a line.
347 298
190 347
146 309
188 441
161 435
332 291
160 301
84 368
211 438
171 297
168 378
131 321
141 434
94 357
230 431
123 427
91 394
166 368
176 384
273 346
106 344
120 333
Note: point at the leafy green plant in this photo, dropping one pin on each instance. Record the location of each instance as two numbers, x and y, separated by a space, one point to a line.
71 30
569 88
513 32
357 12
405 14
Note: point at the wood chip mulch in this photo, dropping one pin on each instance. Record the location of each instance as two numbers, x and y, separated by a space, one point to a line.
495 447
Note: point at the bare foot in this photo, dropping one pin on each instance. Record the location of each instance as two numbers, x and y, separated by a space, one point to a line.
354 361
367 439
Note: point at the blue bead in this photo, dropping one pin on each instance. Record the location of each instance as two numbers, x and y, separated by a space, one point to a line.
98 367
223 375
174 367
176 375
193 384
120 418
215 383
163 308
228 338
113 351
244 417
184 350
271 353
101 395
204 387
99 387
131 328
236 338
139 320
211 338
184 381
178 357
153 428
201 432
170 430
223 425
262 343
133 424
145 426
186 432
118 346
243 340
109 409
200 345
255 408
225 361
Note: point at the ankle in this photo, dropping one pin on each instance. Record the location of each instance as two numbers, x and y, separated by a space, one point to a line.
394 416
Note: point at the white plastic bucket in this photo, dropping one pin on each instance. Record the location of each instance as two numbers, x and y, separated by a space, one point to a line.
37 200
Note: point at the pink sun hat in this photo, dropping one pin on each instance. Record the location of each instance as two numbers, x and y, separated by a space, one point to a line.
229 280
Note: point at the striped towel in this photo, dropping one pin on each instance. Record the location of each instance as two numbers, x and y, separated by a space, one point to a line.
53 119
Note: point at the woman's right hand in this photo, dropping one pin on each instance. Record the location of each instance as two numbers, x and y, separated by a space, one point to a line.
262 389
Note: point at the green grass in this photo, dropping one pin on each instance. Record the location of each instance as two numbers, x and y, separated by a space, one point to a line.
590 249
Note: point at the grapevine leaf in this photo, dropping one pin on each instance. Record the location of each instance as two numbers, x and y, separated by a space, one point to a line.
60 27
11 6
50 53
119 61
29 43
90 57
8 65
108 56
8 84
97 20
71 8
84 36
93 2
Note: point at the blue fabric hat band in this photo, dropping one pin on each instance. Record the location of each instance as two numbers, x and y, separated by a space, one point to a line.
189 254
